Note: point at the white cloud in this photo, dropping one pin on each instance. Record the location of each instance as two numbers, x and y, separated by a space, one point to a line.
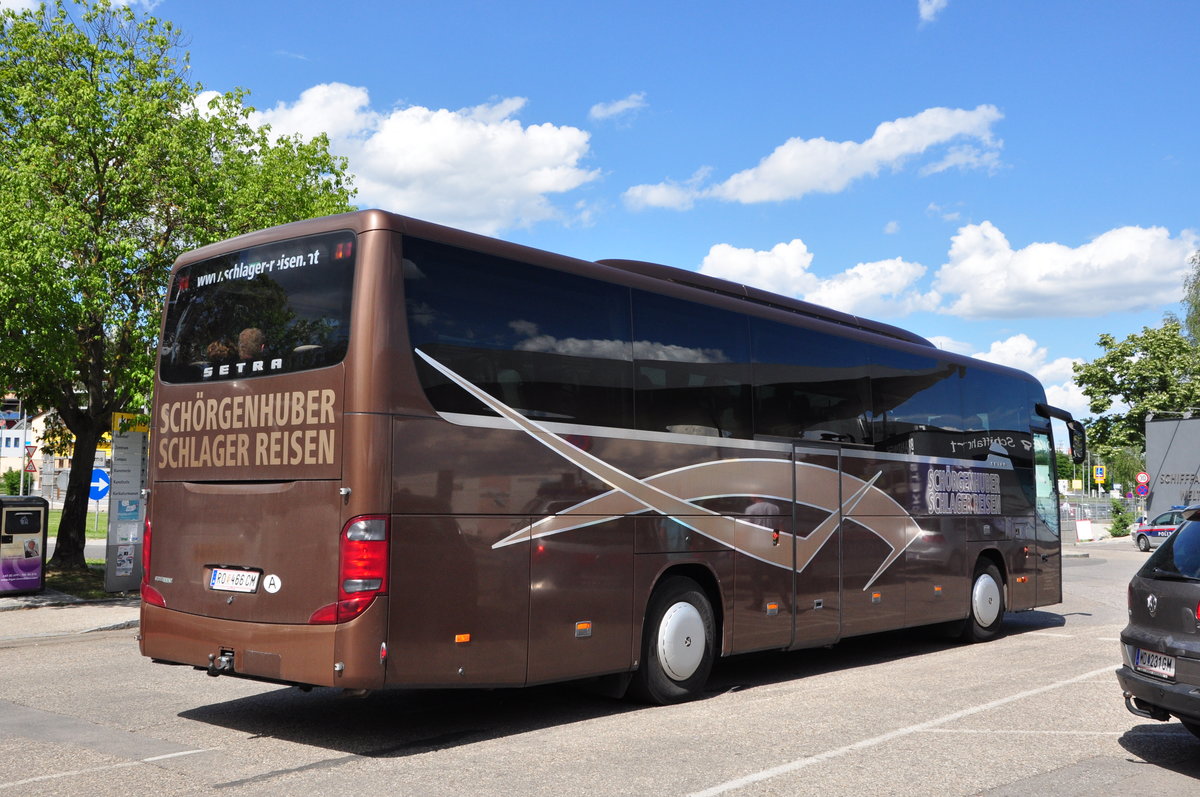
950 344
945 214
965 157
883 288
1022 351
1069 397
1057 376
783 269
19 5
608 110
338 110
803 166
1128 268
672 195
891 228
667 194
477 168
929 9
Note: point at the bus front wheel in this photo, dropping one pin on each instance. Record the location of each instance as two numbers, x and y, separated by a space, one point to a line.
987 604
678 645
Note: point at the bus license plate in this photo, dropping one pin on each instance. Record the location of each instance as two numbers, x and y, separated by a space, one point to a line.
233 580
1159 664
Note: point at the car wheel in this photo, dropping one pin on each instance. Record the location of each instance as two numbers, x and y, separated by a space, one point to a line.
986 603
1194 727
1143 543
677 643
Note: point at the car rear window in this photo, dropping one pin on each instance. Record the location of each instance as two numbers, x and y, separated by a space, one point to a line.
1178 556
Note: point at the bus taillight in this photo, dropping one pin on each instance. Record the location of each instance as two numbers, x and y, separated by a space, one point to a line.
362 569
149 594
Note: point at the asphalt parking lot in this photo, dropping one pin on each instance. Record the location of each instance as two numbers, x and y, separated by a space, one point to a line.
1035 712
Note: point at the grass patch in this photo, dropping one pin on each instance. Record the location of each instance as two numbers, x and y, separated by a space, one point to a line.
96 528
86 584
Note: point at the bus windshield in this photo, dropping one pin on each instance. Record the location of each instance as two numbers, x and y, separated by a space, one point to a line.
271 309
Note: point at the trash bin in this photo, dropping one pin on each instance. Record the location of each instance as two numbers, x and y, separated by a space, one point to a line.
24 520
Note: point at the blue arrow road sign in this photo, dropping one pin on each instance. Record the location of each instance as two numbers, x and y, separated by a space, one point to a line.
100 483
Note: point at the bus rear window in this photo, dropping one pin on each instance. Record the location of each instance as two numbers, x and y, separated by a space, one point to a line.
271 309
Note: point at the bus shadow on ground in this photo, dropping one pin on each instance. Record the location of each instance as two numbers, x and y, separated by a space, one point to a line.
399 723
770 667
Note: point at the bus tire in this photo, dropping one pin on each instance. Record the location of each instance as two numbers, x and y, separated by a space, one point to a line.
678 645
1143 543
986 605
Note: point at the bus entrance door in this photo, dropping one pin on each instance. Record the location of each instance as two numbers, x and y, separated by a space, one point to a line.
1046 525
817 525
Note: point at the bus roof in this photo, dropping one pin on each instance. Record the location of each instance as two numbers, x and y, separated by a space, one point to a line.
748 293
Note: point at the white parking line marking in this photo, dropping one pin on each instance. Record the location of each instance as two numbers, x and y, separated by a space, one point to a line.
792 766
122 765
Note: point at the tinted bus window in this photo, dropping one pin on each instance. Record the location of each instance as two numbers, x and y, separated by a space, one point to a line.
551 345
916 402
271 309
808 384
691 366
997 405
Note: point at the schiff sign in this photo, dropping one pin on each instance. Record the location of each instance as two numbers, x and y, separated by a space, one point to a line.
282 428
1172 463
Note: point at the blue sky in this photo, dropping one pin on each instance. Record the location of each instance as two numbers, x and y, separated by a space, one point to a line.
1009 179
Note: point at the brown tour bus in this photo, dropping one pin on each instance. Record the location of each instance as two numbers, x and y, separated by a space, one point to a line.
387 453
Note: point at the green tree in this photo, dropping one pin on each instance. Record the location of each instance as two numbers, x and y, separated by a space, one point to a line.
1155 371
1123 464
12 482
1122 519
109 169
1191 299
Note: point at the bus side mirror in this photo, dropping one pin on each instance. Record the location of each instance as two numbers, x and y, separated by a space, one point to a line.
1078 439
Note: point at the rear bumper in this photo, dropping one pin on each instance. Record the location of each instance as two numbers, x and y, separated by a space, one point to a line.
1148 694
343 655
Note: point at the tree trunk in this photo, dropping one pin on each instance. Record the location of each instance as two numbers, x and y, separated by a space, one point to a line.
72 535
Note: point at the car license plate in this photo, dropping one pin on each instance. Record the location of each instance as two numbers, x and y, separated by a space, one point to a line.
1159 664
227 580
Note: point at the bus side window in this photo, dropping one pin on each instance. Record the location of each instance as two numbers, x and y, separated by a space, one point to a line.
550 344
808 384
693 368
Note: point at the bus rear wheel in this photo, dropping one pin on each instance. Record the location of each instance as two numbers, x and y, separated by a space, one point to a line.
678 646
986 604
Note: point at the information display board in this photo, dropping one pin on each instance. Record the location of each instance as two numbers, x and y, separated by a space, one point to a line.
126 508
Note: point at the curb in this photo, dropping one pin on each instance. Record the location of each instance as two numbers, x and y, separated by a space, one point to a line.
53 598
114 627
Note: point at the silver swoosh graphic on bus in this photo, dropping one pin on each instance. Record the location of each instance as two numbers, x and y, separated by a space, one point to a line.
629 492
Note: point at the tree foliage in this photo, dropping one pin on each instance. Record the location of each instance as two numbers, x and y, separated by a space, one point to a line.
1122 519
110 167
1157 370
1191 299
